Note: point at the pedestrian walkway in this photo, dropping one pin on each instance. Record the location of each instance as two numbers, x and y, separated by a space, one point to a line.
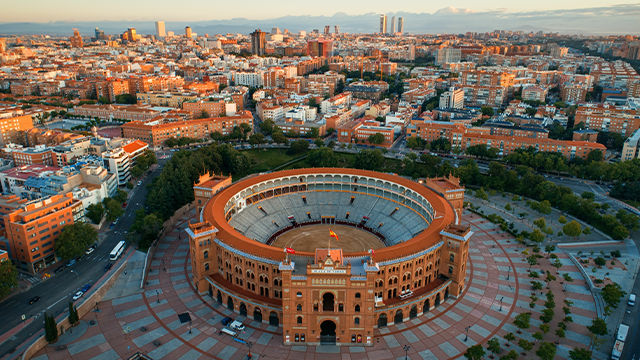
498 288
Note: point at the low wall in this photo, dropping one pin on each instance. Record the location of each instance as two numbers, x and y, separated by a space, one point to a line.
83 310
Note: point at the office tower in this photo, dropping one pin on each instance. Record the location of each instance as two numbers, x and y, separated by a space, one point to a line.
320 47
76 39
258 42
160 32
131 34
337 29
383 24
187 32
401 25
100 35
3 45
393 25
327 29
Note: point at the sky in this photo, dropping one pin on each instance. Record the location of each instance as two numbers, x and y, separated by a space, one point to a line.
198 10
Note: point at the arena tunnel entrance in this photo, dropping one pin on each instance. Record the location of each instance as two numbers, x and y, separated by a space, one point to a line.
243 309
257 315
273 319
382 320
328 333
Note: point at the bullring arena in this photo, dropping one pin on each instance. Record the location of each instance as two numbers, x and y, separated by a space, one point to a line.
401 250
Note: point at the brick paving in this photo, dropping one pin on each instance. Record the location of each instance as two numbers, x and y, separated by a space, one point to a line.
497 271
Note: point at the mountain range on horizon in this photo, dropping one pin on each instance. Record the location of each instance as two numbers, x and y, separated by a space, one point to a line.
614 20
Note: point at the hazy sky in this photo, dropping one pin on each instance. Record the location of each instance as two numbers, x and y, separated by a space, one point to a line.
195 10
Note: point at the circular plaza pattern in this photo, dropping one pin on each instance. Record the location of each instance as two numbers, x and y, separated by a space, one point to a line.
436 334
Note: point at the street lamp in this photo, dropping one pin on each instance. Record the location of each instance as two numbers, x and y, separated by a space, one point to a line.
501 303
249 345
467 334
158 296
406 351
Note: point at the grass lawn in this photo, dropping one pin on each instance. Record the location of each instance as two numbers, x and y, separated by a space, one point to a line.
268 159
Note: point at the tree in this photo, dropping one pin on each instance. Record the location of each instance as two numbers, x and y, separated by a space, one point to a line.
547 315
299 146
256 139
50 328
74 240
536 236
549 249
560 333
508 207
598 327
493 345
557 264
628 220
511 355
600 261
611 294
541 223
510 337
340 86
481 194
120 196
368 160
594 156
545 328
487 111
136 171
114 209
73 314
573 229
536 285
580 354
323 157
538 335
522 321
525 344
279 138
586 231
542 207
442 144
319 143
546 351
240 163
95 212
415 142
376 139
126 99
8 278
562 219
103 100
532 260
475 352
267 126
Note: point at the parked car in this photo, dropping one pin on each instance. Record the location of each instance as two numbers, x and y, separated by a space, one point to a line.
236 325
71 262
89 251
108 267
78 295
112 225
124 204
59 269
139 183
226 321
86 288
34 300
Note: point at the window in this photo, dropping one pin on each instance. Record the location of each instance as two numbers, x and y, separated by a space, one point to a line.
450 269
356 321
299 294
357 295
299 320
206 254
357 308
299 307
206 266
451 257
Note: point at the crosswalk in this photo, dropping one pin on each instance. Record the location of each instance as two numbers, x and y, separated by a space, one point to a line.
32 279
103 257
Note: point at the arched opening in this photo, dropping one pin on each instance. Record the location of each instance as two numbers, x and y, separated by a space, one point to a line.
382 320
219 297
257 315
413 312
427 306
210 291
230 303
243 309
437 299
398 317
328 332
327 301
273 319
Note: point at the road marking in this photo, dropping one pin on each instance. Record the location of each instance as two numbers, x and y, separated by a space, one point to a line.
52 305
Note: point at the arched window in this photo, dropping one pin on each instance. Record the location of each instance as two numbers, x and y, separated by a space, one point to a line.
206 266
299 320
357 308
299 307
206 254
450 269
356 321
357 295
451 257
390 281
395 280
299 294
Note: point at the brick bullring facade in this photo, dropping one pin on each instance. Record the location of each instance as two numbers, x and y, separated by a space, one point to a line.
328 296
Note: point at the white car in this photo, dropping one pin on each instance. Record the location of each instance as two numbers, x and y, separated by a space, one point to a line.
236 325
78 295
139 183
89 251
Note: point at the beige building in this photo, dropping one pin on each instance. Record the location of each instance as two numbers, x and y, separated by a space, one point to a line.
631 148
165 98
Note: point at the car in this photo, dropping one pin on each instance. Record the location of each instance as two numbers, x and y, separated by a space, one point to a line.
71 262
115 221
236 325
632 300
108 267
139 183
124 204
86 288
226 321
59 270
78 295
112 225
94 246
89 251
34 300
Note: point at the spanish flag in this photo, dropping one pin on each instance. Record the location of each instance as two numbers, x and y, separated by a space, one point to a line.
332 234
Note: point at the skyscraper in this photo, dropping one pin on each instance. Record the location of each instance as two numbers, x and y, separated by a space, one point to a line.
393 25
327 29
258 42
160 32
401 25
383 24
187 32
337 29
100 35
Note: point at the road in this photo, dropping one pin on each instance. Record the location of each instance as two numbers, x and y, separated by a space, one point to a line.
56 291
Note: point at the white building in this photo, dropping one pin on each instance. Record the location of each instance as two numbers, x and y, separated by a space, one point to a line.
252 79
117 162
452 99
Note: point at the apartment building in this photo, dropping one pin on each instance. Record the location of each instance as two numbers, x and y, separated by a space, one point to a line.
585 135
108 112
631 147
505 128
135 148
535 93
157 132
610 118
117 162
359 130
213 106
32 230
574 92
343 99
486 78
452 99
39 154
12 126
617 74
13 179
165 98
478 96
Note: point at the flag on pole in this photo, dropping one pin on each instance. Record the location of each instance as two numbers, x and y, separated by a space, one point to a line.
289 250
332 234
371 252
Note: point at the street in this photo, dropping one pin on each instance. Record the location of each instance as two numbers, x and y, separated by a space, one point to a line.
56 291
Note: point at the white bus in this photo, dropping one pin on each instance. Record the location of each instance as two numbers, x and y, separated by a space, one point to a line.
117 251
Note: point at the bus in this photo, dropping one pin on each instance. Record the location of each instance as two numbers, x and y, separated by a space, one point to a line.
117 251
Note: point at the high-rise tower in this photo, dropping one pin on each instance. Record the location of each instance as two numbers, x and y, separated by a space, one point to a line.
160 32
383 23
258 42
393 25
401 25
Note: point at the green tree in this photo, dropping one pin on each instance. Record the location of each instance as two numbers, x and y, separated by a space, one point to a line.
267 126
319 143
525 345
481 194
628 220
536 285
538 335
510 337
299 146
113 208
203 114
376 139
522 321
126 99
549 249
598 327
560 333
50 328
493 345
74 240
562 219
279 138
619 232
441 144
256 139
594 156
322 157
95 212
120 196
611 294
73 314
368 160
508 207
475 352
216 135
103 100
573 229
600 261
532 260
546 351
580 354
136 171
8 278
511 355
541 223
586 231
487 111
536 236
547 315
415 142
240 163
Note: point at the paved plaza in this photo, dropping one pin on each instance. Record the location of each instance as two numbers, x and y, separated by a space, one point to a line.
498 288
